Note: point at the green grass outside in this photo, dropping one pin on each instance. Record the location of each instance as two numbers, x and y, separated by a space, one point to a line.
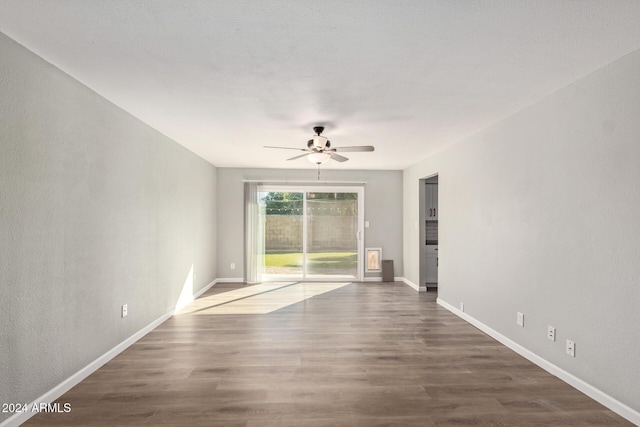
322 260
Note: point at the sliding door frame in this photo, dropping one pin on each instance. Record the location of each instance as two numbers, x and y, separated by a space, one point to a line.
304 189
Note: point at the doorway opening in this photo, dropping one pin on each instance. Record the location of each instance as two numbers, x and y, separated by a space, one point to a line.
428 218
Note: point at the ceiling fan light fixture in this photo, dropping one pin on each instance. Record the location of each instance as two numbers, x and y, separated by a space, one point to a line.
319 150
318 158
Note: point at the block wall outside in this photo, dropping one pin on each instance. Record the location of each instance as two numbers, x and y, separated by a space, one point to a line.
284 233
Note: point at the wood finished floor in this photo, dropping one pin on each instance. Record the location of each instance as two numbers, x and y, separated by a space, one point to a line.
368 354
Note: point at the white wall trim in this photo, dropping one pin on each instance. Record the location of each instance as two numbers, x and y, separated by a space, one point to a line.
294 182
83 373
379 279
410 283
230 280
183 303
66 385
594 393
205 289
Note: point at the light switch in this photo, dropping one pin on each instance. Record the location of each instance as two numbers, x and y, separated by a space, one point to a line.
366 224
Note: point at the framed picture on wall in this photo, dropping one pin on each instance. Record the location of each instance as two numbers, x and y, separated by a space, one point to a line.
373 259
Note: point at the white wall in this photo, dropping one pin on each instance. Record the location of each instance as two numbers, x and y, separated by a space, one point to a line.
383 209
540 214
96 210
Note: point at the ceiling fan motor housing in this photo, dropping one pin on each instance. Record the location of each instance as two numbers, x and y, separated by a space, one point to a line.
320 142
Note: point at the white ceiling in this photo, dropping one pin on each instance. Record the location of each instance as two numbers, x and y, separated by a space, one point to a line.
224 78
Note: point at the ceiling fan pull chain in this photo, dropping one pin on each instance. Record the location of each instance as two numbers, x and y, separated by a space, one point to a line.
318 171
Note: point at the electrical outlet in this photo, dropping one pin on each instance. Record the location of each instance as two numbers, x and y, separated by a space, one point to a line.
125 310
233 265
551 333
462 307
571 348
520 319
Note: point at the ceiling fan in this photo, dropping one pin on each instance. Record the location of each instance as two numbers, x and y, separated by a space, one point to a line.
319 149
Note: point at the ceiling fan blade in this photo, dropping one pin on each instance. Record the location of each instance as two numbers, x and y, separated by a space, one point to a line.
338 157
286 148
300 156
354 149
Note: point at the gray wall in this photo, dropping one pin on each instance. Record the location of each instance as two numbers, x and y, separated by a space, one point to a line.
383 209
96 210
540 214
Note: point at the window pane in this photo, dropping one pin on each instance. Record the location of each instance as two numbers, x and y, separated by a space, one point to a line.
283 233
332 224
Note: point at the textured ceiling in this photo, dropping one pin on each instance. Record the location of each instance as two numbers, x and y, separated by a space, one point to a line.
224 78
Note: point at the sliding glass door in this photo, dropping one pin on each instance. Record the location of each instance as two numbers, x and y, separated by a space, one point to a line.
331 234
283 238
311 233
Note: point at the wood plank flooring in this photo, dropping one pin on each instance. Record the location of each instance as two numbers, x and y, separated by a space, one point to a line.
363 354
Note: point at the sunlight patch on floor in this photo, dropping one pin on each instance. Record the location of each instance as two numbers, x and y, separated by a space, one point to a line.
236 294
260 299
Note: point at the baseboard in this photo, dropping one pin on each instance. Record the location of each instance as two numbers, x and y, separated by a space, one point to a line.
66 385
182 304
230 280
410 283
379 279
83 373
594 393
205 289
